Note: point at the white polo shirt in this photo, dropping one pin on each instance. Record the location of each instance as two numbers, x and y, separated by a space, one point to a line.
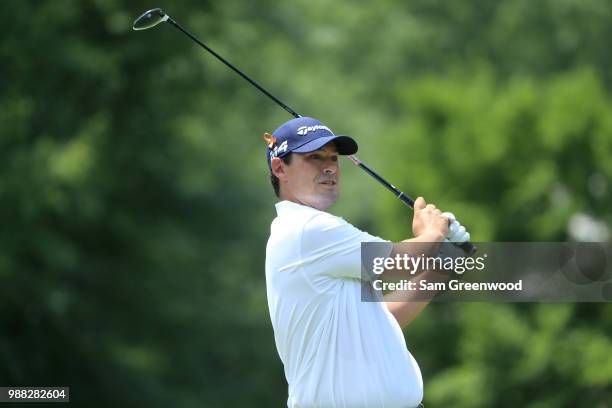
337 350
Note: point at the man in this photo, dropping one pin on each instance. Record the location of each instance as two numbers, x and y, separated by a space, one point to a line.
337 350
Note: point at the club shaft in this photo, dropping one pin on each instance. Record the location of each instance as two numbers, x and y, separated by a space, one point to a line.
236 70
396 191
466 246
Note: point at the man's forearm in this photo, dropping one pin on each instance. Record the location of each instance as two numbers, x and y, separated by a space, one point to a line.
406 305
427 244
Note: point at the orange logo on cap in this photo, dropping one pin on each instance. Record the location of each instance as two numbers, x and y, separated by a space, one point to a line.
269 139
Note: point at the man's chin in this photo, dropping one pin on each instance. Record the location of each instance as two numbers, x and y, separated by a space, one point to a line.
325 201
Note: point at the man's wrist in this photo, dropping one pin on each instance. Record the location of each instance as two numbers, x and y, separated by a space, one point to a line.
431 236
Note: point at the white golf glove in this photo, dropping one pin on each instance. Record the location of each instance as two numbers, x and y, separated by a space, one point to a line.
456 232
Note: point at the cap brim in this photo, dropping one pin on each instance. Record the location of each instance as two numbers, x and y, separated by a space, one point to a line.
345 145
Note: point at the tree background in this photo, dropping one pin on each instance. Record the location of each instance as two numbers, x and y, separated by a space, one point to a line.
135 201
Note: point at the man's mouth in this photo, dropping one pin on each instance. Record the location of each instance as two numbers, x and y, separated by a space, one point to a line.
328 182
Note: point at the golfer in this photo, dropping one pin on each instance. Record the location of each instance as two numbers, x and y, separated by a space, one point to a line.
337 350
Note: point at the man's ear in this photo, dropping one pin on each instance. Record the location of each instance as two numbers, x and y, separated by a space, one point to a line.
278 168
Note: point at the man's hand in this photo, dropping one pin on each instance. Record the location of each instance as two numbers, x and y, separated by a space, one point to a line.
429 221
456 232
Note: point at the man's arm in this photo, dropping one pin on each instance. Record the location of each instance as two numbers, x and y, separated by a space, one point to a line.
430 228
402 304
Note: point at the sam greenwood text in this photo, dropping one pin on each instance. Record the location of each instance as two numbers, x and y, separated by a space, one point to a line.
453 284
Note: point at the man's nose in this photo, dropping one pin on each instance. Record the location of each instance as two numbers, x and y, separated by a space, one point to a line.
331 167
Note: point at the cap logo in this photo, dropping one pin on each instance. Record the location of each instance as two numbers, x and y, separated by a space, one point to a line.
303 130
279 149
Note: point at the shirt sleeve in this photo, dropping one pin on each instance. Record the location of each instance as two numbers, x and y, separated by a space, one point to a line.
331 246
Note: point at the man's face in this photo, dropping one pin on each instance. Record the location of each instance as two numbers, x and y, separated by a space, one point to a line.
311 179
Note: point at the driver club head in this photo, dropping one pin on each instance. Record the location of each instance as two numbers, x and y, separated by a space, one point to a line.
150 19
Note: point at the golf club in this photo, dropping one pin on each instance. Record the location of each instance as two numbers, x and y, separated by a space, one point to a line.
156 16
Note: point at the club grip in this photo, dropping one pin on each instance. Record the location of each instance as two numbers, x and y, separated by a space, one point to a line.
468 247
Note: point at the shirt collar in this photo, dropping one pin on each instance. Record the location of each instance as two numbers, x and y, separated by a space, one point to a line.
286 206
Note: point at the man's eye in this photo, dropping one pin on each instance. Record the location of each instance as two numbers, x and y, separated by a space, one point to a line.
315 156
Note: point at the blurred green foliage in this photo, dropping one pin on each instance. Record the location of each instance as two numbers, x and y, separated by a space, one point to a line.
135 203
